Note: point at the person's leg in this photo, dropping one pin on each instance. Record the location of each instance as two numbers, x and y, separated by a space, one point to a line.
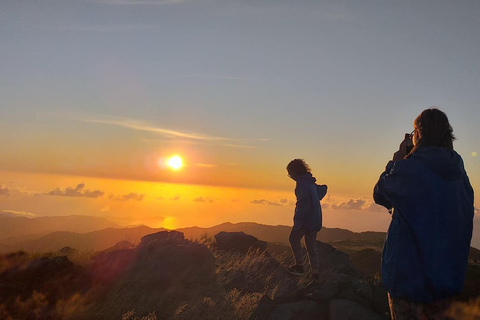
295 236
310 241
401 309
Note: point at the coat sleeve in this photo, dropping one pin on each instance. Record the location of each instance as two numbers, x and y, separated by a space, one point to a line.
322 191
381 192
302 206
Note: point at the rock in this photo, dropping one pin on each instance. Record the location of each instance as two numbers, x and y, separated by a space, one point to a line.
109 265
264 308
67 251
341 309
49 265
335 261
285 290
166 273
163 238
326 292
362 289
238 241
380 301
301 310
368 261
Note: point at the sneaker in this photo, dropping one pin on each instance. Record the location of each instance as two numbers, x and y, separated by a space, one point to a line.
296 270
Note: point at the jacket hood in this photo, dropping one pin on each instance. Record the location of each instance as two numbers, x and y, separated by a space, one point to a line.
305 178
445 163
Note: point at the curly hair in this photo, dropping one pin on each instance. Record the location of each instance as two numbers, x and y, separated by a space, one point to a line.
434 129
297 167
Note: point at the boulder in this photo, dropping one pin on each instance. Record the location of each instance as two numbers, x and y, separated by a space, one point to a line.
285 290
67 251
238 241
264 308
342 309
335 261
380 301
301 310
162 238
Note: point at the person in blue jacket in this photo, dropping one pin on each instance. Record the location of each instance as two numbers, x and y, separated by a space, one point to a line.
429 195
307 220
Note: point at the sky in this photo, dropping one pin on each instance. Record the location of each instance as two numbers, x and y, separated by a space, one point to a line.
95 95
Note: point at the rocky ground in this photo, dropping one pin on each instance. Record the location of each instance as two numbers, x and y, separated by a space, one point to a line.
230 276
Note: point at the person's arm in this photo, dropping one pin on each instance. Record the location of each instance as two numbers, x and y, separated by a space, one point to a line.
380 191
302 206
322 191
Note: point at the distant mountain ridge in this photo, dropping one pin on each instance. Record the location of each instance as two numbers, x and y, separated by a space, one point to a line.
71 233
280 233
15 227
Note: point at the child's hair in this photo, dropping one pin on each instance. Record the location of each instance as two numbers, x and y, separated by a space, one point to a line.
297 167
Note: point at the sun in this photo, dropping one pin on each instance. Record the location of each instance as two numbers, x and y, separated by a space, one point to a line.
175 162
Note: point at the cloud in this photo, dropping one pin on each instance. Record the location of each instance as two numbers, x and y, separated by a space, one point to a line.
126 197
12 213
202 199
7 191
284 201
177 197
78 191
140 126
351 204
205 165
212 77
101 28
265 202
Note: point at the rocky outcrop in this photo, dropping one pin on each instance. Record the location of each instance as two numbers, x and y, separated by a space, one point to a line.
163 273
340 293
238 241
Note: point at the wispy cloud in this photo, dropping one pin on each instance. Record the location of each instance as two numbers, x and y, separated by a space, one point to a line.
265 202
205 76
166 132
78 191
126 197
206 165
141 2
13 213
100 28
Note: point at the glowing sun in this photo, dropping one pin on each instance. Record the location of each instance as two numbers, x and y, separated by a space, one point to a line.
175 162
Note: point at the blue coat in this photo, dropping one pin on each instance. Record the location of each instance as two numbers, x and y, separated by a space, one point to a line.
426 251
308 212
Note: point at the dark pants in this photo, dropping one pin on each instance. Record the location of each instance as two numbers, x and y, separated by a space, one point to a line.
310 238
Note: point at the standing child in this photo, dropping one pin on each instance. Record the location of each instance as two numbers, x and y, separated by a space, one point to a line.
307 220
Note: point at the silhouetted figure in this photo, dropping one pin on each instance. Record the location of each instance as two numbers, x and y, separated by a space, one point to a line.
307 220
430 198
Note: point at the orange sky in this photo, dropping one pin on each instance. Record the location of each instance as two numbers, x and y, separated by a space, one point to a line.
171 205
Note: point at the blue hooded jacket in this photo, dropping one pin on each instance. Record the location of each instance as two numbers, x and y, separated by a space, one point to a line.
426 250
308 212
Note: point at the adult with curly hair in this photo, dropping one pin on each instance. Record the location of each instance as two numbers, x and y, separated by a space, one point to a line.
429 195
